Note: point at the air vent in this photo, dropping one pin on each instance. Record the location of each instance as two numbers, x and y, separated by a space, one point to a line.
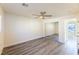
24 4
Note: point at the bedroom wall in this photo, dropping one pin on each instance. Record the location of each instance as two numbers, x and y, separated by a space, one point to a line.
56 28
50 29
19 29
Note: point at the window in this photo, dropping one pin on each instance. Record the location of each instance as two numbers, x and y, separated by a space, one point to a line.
71 27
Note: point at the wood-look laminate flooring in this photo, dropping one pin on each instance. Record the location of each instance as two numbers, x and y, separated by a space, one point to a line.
42 46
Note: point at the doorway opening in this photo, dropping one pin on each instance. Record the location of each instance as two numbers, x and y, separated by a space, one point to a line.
52 30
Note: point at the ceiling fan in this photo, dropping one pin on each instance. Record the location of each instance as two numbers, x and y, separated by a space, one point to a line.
42 15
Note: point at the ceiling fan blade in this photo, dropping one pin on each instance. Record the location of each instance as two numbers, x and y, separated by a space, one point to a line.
47 15
42 13
39 17
36 15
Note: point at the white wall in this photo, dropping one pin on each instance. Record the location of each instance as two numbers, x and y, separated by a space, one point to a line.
56 28
19 29
1 30
50 29
61 31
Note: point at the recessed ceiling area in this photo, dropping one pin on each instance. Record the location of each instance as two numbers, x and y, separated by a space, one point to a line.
55 9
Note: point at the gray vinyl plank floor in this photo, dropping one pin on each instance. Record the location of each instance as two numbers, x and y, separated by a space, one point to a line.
42 46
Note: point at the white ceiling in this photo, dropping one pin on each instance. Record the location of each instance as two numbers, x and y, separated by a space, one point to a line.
56 9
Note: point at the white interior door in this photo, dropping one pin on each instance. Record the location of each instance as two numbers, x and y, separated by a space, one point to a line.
70 37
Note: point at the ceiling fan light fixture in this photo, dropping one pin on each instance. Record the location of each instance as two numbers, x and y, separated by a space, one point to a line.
41 17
